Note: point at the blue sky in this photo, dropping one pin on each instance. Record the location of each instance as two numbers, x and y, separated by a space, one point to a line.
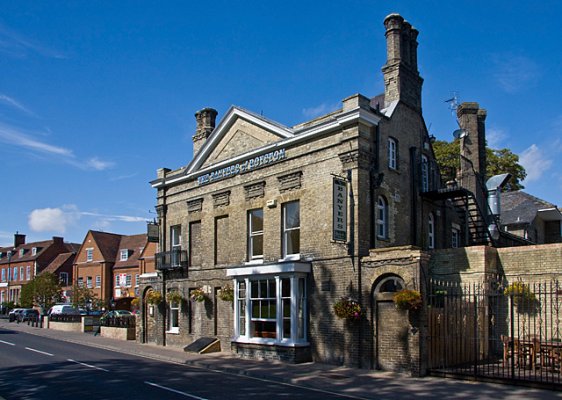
95 96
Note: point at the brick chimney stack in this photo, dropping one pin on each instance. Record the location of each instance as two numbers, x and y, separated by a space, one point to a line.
19 239
472 174
205 125
402 80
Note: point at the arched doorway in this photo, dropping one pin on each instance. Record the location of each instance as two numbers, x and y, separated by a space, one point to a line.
391 328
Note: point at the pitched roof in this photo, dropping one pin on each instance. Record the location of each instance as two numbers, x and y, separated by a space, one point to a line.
521 208
27 251
61 260
134 244
108 244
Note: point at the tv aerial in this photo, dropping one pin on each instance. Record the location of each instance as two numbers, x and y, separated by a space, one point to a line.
453 103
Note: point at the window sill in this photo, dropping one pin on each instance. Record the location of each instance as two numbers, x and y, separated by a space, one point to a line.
292 257
270 342
254 262
173 332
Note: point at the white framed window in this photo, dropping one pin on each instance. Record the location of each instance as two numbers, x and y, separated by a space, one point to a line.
117 280
174 317
34 251
89 282
255 234
136 280
28 275
90 254
3 275
291 229
15 273
382 218
128 280
431 231
98 281
80 282
22 252
175 244
271 309
63 278
124 255
424 174
455 237
392 153
22 273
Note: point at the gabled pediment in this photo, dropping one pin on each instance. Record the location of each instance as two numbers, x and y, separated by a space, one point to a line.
239 132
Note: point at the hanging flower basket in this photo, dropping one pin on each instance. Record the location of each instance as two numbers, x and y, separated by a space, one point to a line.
521 293
135 302
407 299
198 295
174 296
226 293
348 308
153 297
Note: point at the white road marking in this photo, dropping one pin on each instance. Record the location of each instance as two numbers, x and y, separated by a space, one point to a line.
88 365
175 391
11 344
39 351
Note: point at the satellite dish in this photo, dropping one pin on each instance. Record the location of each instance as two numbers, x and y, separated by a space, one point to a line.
460 133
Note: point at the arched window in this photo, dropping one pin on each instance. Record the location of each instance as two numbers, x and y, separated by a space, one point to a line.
382 218
431 231
390 284
424 174
392 153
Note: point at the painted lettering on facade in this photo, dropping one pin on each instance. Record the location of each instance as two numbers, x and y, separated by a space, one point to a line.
339 210
244 166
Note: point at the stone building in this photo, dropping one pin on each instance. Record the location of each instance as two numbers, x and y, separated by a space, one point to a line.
294 218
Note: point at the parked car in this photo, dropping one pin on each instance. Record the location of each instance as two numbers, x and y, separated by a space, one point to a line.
63 309
28 314
13 315
113 314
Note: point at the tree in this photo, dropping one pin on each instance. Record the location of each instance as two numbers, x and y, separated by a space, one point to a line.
84 297
43 291
498 161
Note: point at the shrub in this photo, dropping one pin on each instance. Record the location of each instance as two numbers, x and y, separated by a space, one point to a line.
226 293
198 295
348 308
408 299
153 297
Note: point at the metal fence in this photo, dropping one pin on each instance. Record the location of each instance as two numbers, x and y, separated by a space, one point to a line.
125 321
496 330
65 318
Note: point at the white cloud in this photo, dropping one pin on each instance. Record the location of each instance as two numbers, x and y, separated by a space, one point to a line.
515 72
19 138
99 165
535 162
16 45
15 104
59 219
495 137
322 109
53 219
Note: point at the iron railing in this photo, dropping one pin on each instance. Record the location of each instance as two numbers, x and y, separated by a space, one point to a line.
171 259
65 318
495 330
124 321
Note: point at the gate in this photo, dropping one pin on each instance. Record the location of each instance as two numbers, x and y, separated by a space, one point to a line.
495 330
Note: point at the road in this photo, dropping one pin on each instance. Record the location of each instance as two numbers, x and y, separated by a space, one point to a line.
35 367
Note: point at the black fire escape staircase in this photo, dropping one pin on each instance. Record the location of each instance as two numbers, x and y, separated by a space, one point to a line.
481 226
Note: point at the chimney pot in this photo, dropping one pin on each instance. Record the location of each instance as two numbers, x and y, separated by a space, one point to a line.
205 125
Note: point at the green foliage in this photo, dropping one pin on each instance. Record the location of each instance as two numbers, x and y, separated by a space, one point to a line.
83 296
174 296
498 161
521 293
348 308
43 291
153 297
407 299
226 293
198 295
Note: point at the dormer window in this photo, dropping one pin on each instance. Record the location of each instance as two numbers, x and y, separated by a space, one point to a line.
124 255
1 254
34 251
22 252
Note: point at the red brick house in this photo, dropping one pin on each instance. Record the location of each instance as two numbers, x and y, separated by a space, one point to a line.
21 262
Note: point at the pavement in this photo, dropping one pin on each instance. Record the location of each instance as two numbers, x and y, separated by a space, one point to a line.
350 383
